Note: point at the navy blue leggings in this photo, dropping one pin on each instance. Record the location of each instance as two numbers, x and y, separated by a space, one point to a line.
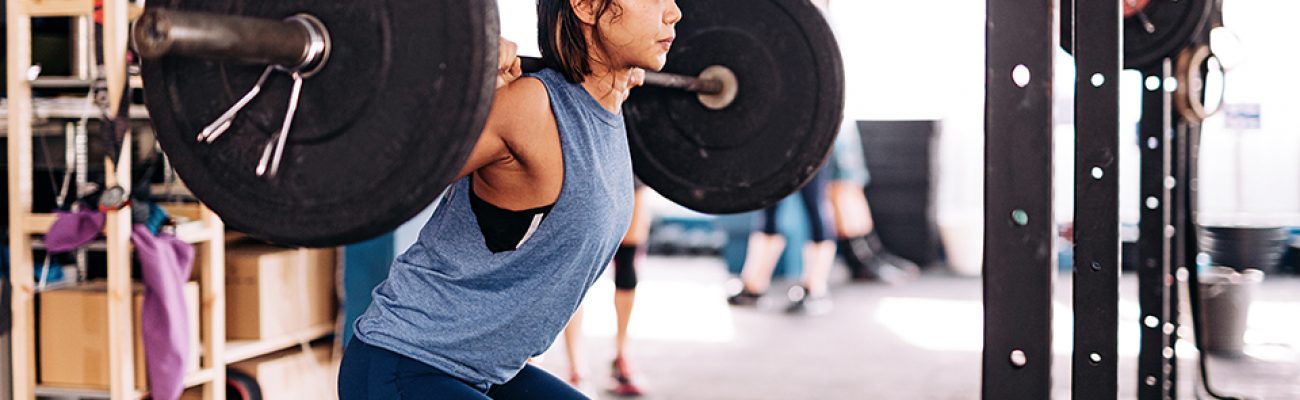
373 373
819 217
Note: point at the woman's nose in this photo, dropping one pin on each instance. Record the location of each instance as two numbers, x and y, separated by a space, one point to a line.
673 13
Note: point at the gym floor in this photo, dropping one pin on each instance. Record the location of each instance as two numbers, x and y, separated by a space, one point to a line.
917 341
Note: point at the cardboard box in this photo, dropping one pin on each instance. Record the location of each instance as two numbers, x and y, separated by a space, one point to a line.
273 291
73 336
293 373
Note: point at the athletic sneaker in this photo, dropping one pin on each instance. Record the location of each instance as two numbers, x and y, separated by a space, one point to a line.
803 303
623 385
744 298
740 295
869 261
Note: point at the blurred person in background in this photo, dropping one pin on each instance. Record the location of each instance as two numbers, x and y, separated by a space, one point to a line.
630 252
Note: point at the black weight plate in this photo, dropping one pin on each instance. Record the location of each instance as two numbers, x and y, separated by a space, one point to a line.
241 386
1176 23
780 128
379 132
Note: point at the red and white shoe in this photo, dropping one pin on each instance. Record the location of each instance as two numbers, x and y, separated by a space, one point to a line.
623 379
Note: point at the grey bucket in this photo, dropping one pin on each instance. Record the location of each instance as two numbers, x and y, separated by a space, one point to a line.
1225 307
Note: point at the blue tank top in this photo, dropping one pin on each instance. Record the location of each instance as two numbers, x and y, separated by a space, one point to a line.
477 315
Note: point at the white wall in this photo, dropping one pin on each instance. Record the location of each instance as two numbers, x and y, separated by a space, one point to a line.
1247 177
1253 176
519 24
922 60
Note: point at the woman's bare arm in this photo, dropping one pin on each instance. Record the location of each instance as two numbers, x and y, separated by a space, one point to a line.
491 146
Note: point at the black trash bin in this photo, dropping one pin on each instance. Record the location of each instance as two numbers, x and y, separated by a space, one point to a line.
1243 247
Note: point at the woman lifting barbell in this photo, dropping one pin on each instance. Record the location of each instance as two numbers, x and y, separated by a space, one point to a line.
538 211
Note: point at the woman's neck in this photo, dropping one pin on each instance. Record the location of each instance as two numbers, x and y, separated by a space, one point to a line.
609 86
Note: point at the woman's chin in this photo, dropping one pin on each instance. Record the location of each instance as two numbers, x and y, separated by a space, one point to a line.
655 64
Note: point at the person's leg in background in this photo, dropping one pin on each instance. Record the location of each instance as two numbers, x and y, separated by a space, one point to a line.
812 295
858 243
573 348
625 281
629 254
764 250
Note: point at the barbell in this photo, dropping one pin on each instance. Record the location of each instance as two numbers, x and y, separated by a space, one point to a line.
383 102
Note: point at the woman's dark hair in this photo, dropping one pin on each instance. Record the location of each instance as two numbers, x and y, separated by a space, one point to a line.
559 34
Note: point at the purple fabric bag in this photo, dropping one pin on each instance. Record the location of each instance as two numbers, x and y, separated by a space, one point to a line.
165 265
73 229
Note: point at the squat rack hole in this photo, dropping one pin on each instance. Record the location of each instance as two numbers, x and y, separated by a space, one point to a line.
1098 79
1020 75
1019 217
1153 83
1018 358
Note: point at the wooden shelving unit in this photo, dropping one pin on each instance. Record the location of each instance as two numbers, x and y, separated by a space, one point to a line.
200 377
19 14
240 350
206 230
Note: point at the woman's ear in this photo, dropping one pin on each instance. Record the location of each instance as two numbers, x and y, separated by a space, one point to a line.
585 10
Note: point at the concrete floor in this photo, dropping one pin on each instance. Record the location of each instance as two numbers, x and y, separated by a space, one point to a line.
918 341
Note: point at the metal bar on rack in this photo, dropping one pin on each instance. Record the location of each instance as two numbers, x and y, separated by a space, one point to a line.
1154 233
1019 233
1098 58
1179 202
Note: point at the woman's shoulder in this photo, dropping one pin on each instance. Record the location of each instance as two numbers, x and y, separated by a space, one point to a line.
526 98
525 111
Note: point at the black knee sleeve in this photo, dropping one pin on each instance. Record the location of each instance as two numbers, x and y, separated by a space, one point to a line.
625 268
765 222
